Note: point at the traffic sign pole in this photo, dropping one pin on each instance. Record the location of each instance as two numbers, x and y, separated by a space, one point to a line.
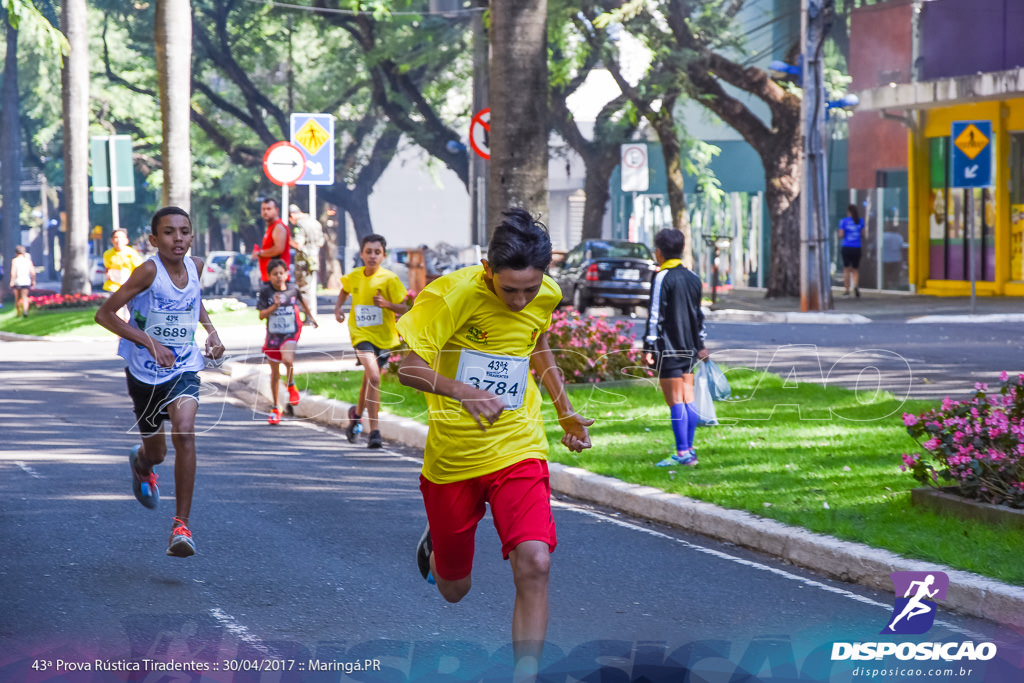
972 269
115 218
971 167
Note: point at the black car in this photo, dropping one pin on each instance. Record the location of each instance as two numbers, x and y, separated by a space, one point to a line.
244 275
607 273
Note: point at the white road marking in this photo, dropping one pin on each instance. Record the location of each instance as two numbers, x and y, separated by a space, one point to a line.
236 629
28 470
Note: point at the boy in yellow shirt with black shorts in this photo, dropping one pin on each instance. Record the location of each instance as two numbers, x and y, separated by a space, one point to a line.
377 296
474 335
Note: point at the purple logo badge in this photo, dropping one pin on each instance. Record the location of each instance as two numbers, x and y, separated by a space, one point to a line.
913 612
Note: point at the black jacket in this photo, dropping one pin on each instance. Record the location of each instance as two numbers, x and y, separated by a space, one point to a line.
676 321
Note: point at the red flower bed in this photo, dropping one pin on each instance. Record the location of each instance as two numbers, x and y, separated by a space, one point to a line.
50 301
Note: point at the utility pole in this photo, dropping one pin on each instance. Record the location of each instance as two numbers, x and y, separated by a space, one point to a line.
479 230
815 276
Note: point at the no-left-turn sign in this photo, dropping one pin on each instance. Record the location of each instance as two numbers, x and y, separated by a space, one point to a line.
480 133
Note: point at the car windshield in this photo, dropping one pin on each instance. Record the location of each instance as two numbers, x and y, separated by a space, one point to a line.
618 250
220 259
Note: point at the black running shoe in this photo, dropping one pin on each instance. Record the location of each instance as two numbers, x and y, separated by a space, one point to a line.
424 549
374 440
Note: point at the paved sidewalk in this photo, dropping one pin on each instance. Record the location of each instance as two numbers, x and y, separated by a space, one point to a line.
843 560
872 305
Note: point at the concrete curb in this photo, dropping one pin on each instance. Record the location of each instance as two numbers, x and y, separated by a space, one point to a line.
14 336
972 319
732 315
968 593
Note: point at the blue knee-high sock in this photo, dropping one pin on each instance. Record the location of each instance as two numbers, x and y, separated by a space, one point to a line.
679 425
691 424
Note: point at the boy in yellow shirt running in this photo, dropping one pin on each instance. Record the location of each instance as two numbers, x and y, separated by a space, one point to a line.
474 335
377 296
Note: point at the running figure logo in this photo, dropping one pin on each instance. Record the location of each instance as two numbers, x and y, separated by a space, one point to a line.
914 612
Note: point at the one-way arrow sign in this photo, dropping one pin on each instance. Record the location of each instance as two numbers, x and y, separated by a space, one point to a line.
283 163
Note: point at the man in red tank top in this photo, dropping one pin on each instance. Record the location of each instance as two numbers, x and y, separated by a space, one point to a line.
275 239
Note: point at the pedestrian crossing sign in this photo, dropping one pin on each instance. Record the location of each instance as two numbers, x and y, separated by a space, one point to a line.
971 141
971 154
313 134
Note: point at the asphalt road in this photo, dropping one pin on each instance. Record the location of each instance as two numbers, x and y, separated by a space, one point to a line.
923 360
305 556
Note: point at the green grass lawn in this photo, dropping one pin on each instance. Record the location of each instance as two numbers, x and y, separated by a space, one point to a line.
826 459
78 322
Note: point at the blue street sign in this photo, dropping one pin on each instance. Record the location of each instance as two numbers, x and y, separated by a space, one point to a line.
314 135
971 156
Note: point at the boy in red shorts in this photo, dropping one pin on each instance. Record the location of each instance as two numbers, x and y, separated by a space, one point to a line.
474 335
279 303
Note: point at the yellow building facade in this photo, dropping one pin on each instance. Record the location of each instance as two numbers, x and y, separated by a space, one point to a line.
939 235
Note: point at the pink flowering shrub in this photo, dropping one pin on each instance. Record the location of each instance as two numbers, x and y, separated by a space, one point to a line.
49 301
586 349
976 445
592 349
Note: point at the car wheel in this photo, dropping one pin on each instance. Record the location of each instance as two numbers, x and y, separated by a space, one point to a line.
579 301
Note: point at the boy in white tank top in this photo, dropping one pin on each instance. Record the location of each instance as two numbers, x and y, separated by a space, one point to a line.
162 296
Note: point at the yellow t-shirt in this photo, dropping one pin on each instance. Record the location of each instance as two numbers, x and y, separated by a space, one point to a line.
367 322
458 312
119 265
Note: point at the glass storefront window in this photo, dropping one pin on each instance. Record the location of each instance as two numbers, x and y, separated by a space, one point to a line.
948 224
1017 206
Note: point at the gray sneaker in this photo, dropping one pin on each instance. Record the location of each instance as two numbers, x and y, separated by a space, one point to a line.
181 543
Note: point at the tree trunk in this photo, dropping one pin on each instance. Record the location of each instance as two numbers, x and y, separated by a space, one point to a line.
665 127
595 185
358 208
783 170
75 94
10 153
518 171
173 38
214 226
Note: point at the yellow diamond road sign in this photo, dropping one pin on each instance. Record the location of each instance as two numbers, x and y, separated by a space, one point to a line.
971 141
312 136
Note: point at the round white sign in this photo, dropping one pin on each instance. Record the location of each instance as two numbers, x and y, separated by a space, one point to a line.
284 163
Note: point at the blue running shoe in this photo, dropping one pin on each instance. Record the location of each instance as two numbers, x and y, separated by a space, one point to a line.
144 488
688 460
355 425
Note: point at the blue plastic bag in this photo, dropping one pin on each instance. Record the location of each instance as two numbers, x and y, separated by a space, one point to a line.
717 383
